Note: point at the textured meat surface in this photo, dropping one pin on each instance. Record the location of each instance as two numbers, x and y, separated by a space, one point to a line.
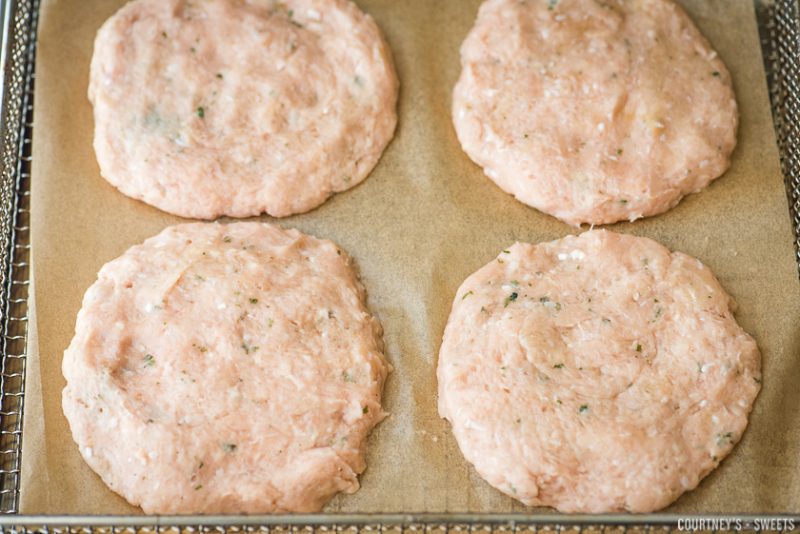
237 107
225 369
597 373
594 111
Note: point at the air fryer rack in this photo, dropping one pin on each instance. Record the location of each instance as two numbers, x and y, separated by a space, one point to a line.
779 27
16 122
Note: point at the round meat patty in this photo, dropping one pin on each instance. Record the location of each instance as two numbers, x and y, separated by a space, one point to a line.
594 111
226 369
230 107
598 373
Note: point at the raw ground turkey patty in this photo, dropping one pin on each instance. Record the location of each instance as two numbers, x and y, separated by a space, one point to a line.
594 111
598 373
226 369
234 107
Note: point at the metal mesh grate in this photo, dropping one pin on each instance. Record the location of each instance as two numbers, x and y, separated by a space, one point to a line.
778 24
17 116
780 29
378 528
531 526
415 525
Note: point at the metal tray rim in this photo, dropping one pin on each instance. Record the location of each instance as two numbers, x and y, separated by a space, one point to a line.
577 520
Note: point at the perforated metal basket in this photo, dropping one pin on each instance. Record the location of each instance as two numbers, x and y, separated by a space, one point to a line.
779 25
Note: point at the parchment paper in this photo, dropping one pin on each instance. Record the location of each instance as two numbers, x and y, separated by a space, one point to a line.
424 220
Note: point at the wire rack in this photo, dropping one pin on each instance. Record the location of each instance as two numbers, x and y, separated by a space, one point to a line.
779 27
19 27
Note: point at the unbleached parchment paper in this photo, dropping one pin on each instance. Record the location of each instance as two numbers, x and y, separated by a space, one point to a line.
422 222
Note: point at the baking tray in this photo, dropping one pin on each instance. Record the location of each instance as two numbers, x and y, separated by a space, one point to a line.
779 25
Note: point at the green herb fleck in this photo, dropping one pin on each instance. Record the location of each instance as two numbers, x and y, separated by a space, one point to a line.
551 4
219 75
584 408
227 239
511 298
638 347
365 410
270 322
499 260
659 312
558 366
164 35
193 49
201 112
558 401
619 152
295 23
229 447
549 304
468 293
506 252
347 179
757 380
150 421
715 74
347 377
198 487
724 439
202 464
253 300
606 320
623 201
149 360
248 349
200 277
